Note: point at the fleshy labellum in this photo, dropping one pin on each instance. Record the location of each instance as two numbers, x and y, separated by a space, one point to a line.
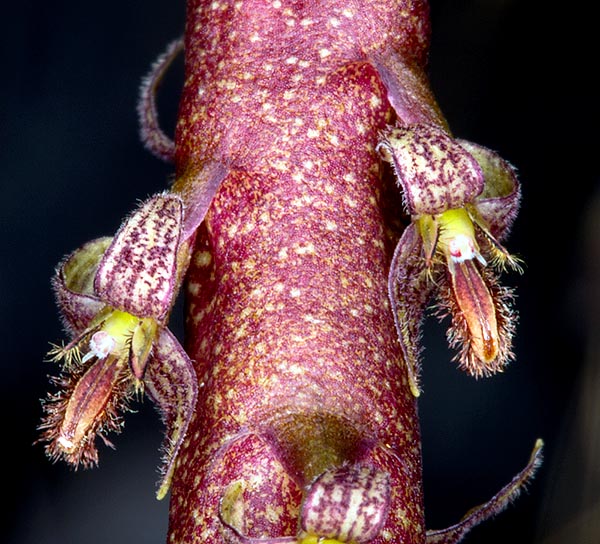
457 242
461 198
115 296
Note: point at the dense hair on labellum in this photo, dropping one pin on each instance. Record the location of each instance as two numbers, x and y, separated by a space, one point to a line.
458 335
85 453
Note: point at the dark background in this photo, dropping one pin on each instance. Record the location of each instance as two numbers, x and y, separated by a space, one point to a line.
510 75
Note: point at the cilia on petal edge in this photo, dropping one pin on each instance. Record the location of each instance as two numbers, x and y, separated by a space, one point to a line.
462 198
115 296
303 322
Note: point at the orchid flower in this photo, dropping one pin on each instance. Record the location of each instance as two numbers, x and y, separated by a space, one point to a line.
115 295
462 199
307 431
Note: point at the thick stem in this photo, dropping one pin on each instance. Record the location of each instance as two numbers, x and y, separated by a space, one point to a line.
288 317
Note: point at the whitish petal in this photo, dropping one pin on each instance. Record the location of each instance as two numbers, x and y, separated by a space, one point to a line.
138 273
170 381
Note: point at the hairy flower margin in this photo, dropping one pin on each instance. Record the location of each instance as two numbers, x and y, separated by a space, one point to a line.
462 199
115 296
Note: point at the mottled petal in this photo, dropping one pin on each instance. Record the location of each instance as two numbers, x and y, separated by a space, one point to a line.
348 503
171 382
499 201
435 172
455 533
138 272
73 285
409 291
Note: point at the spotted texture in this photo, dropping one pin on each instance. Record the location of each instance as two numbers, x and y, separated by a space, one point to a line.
436 173
265 60
410 288
461 197
349 504
288 318
113 354
170 381
138 272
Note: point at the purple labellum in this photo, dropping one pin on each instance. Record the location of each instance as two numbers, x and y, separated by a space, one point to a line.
114 296
349 504
462 199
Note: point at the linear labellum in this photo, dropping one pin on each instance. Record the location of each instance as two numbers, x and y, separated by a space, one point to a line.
115 295
462 198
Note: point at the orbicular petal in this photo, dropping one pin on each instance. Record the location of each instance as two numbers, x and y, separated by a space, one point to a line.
348 504
410 289
170 381
436 173
73 285
455 533
499 201
138 273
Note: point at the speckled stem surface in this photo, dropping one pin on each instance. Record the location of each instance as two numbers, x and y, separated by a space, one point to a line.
288 319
